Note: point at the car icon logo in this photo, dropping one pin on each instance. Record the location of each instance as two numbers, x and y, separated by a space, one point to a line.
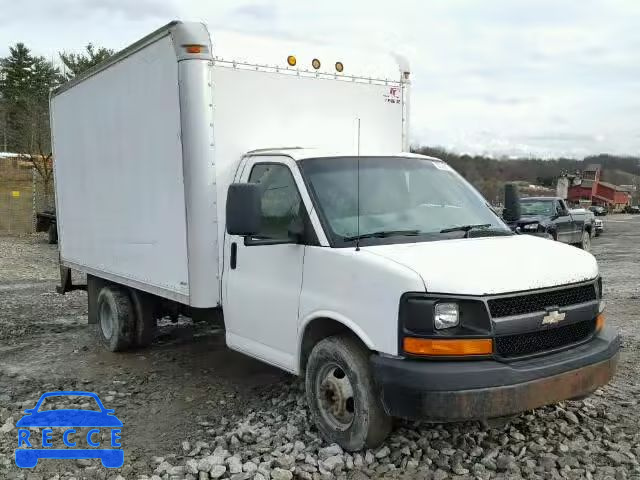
32 447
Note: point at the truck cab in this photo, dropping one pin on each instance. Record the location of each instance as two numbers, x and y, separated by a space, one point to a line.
388 282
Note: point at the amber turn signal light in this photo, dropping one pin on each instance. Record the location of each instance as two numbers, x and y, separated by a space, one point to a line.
430 346
194 48
599 322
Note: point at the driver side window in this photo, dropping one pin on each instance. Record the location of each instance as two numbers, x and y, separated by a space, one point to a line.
280 200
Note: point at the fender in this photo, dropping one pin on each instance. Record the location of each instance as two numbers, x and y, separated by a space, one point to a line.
348 323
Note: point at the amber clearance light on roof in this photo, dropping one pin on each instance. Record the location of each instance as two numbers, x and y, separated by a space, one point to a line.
457 347
195 48
291 61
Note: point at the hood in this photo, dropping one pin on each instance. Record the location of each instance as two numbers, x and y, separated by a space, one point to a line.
525 219
492 265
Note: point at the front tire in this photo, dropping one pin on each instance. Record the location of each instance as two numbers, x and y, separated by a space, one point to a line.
115 315
342 396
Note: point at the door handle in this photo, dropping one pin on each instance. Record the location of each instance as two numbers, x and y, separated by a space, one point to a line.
234 256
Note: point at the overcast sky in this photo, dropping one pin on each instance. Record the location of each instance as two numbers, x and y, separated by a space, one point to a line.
514 77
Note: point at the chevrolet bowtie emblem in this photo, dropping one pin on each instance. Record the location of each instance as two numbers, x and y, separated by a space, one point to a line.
553 317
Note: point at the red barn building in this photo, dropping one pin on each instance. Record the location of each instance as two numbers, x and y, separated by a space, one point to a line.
596 192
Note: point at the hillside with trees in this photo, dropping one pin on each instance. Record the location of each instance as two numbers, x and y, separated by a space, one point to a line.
490 174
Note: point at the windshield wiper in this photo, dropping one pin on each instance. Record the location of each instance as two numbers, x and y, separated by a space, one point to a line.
465 228
383 234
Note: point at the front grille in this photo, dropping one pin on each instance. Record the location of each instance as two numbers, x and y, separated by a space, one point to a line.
537 302
540 341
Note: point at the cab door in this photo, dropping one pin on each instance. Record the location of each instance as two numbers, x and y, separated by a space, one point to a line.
262 276
564 224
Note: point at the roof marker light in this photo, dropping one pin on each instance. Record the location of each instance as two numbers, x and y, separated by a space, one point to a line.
315 63
195 48
291 61
339 67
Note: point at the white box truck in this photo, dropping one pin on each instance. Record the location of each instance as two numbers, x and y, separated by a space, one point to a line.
380 276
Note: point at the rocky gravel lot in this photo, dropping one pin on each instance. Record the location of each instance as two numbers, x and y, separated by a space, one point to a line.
194 410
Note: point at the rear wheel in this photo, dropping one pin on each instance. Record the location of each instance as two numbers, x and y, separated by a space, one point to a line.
341 394
115 318
585 243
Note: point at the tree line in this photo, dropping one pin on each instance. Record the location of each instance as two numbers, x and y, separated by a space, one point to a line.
489 175
25 82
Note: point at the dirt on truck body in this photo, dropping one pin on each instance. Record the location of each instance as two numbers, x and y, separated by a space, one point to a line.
187 399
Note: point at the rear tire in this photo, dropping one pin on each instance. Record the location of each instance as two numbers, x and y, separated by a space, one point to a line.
145 321
342 396
116 318
585 243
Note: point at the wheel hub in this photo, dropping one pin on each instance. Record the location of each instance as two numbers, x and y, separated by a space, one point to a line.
106 320
336 397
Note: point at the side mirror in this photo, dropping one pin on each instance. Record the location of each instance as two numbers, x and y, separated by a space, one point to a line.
511 211
244 209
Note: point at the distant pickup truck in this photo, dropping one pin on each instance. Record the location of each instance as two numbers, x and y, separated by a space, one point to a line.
46 222
551 218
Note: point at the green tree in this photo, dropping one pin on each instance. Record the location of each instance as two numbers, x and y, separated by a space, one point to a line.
79 62
25 82
15 71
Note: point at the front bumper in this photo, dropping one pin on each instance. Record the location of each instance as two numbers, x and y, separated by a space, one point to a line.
481 389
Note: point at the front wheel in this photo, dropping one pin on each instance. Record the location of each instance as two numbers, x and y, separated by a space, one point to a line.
341 394
585 243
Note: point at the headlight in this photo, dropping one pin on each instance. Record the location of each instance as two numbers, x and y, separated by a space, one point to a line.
446 315
531 226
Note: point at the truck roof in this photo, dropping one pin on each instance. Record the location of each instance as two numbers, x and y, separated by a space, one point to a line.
302 153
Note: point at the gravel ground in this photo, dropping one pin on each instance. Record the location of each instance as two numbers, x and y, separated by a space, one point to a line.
194 410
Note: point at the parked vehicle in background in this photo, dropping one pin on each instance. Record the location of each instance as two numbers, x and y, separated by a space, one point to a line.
46 222
589 218
549 217
599 226
633 209
381 278
598 210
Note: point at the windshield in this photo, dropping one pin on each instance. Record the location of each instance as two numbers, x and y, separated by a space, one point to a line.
536 207
400 198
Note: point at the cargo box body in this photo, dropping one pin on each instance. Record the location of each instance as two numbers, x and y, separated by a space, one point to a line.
146 144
